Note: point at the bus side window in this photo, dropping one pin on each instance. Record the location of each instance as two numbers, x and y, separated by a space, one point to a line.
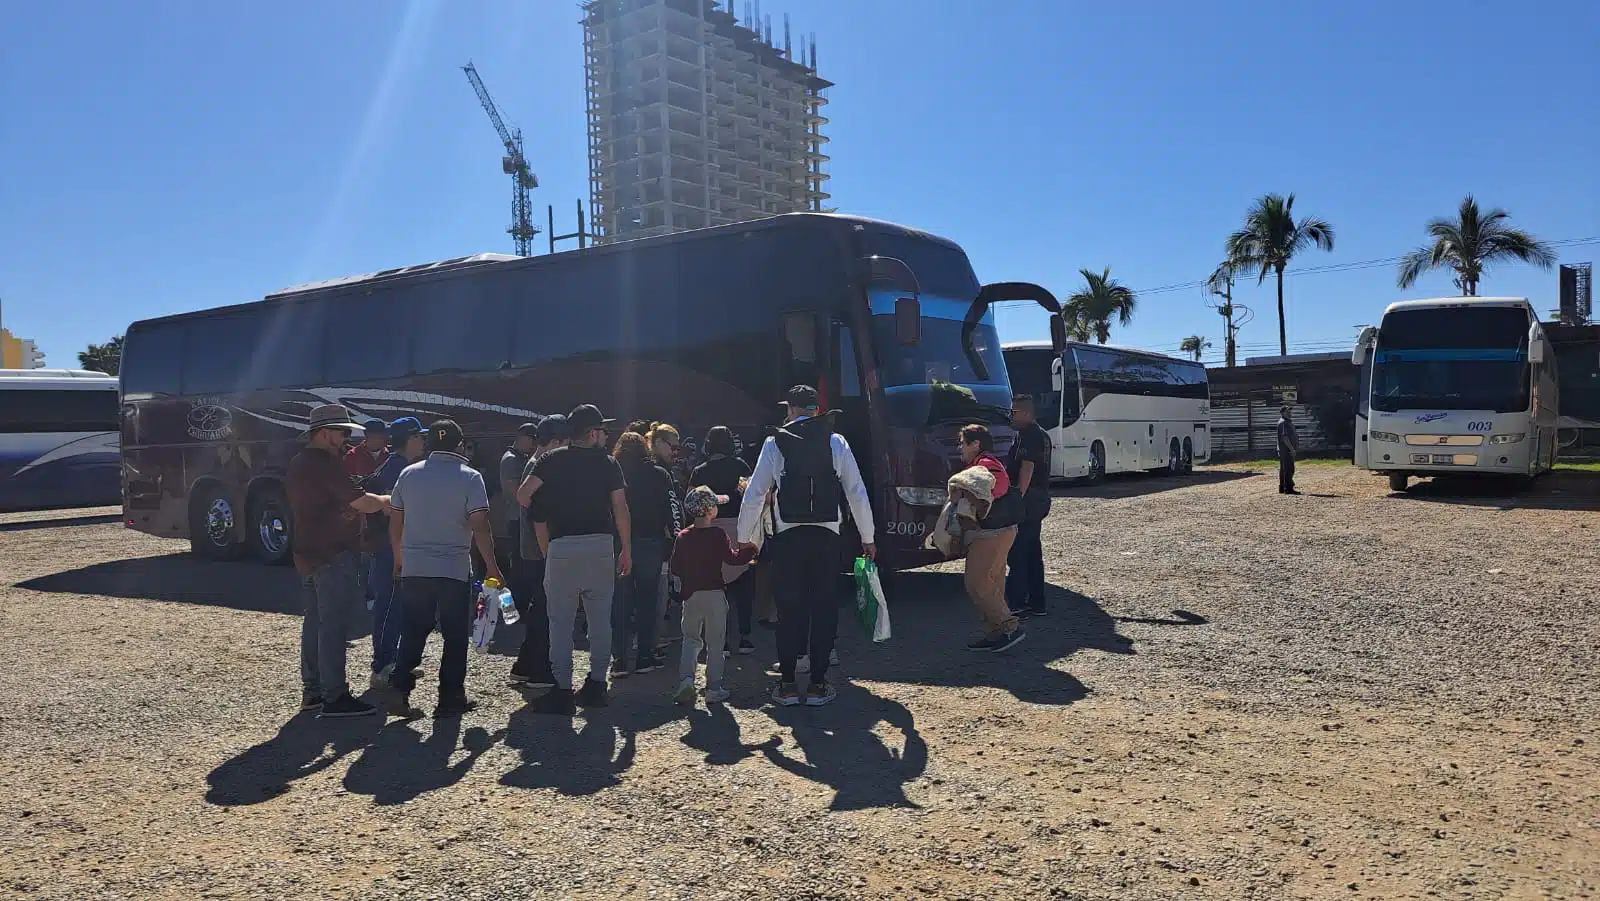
800 335
849 373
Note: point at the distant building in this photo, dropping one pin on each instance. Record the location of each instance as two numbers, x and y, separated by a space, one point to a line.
698 118
19 353
1299 358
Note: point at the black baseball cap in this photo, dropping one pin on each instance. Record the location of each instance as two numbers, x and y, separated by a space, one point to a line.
529 430
444 435
553 428
802 396
587 416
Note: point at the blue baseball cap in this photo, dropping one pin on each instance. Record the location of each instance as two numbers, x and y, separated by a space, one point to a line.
554 428
404 428
375 425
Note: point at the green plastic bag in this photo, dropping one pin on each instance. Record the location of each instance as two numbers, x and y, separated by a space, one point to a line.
872 608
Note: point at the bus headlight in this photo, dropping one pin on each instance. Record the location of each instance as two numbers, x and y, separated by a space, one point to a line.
1512 438
923 497
1383 436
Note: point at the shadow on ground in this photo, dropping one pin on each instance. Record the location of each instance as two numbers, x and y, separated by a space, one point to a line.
933 620
1562 489
842 749
303 746
60 522
181 578
400 764
1137 484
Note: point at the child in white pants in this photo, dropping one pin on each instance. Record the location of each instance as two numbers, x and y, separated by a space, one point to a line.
697 559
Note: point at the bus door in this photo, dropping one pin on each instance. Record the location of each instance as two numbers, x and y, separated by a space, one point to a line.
1363 358
846 391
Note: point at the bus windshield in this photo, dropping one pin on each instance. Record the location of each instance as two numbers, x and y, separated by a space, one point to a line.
932 381
1452 359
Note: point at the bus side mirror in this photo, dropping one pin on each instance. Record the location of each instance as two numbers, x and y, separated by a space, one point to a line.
1058 334
908 320
1056 381
1535 349
1363 345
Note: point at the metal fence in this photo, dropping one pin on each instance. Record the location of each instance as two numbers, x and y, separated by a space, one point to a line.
1245 426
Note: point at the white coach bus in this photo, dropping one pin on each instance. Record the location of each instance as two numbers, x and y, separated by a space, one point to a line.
58 439
1456 386
1110 409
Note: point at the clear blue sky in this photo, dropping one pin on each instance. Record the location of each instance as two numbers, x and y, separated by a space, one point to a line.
173 155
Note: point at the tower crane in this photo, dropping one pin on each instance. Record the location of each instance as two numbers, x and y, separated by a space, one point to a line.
514 164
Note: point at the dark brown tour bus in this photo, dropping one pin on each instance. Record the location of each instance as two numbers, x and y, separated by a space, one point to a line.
699 328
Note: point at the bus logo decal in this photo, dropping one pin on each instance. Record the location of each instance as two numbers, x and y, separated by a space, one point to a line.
1431 417
209 420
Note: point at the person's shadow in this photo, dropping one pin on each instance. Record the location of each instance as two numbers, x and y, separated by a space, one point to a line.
303 746
400 764
714 731
842 751
573 755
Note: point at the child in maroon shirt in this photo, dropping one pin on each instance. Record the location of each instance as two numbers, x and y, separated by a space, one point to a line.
697 559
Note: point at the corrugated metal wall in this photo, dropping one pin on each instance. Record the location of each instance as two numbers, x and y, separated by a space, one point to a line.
1247 427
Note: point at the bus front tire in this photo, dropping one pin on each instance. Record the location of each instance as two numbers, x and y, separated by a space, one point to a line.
268 530
213 532
1399 481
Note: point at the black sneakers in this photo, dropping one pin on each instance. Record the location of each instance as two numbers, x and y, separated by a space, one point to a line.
310 700
518 680
593 694
400 705
819 693
345 706
993 644
786 694
556 702
648 662
746 646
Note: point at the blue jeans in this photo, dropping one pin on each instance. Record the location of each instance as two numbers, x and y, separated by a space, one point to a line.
635 610
330 593
388 614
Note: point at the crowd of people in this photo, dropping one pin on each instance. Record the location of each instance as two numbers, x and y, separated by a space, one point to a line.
592 538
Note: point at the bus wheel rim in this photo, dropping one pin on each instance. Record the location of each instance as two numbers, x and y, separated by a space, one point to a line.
219 521
273 532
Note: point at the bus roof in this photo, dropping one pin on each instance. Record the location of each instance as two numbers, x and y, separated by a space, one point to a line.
837 221
1131 351
1443 302
55 374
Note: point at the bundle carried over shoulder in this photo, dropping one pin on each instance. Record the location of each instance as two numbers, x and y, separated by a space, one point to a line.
971 492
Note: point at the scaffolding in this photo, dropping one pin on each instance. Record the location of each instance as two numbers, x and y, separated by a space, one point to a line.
697 118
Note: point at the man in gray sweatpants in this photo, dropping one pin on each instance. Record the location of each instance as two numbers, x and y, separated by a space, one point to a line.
575 497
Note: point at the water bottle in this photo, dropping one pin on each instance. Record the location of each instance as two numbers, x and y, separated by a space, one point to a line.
495 594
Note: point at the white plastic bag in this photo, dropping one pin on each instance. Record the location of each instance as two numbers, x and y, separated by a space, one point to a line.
483 625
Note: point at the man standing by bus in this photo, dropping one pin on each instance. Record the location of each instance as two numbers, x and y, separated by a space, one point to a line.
1288 447
532 668
441 510
579 506
326 508
507 515
808 463
1028 466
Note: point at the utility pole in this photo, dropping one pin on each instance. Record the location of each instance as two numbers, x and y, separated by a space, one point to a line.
1220 284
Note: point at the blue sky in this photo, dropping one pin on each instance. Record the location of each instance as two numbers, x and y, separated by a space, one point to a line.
172 155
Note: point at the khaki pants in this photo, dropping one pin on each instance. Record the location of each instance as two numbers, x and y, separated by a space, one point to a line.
704 613
986 579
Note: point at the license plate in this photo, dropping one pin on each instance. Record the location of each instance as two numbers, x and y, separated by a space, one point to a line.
1444 458
1419 458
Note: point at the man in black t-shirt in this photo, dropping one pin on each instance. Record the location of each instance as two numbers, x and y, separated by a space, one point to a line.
1028 465
576 498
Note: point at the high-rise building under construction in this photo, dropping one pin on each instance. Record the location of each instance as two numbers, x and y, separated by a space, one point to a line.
697 117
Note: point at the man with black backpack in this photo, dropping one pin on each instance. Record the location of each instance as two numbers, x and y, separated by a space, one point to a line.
809 465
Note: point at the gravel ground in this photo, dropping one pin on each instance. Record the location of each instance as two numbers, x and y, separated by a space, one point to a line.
1236 695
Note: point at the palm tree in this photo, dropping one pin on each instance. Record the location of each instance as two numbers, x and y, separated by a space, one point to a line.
1100 300
1195 345
1469 243
106 358
1270 238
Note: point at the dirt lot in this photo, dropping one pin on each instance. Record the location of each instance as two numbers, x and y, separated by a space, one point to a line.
1236 695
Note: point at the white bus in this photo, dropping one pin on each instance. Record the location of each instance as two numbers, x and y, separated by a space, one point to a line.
1454 386
58 439
1110 409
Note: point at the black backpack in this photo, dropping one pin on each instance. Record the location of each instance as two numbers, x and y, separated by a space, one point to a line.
808 491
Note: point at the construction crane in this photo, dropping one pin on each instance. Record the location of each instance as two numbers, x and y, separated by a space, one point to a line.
514 164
